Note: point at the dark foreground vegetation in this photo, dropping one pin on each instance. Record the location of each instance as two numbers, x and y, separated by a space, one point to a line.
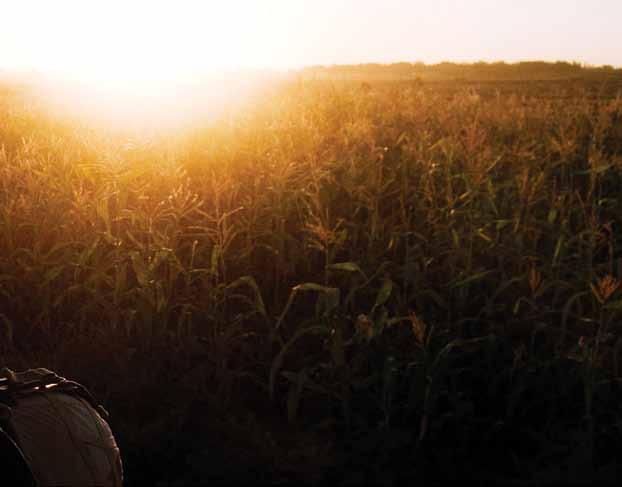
354 283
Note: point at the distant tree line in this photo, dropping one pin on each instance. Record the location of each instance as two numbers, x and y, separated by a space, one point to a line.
480 71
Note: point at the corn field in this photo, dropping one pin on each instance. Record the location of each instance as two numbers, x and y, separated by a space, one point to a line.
339 282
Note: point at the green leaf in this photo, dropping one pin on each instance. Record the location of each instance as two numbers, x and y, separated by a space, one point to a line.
558 249
139 269
346 267
216 253
381 319
53 273
277 363
500 289
329 300
436 297
482 234
294 395
474 278
311 286
567 307
501 224
250 282
398 319
384 293
456 238
403 137
596 170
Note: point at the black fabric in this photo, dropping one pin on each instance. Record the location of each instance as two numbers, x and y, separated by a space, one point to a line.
54 434
13 468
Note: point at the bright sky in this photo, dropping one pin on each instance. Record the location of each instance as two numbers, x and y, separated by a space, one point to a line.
147 39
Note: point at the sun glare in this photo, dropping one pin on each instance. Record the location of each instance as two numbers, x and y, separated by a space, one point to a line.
147 105
126 45
149 61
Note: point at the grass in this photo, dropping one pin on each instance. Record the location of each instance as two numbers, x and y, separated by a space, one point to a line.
340 282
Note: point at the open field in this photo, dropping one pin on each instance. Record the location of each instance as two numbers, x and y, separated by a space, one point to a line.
342 281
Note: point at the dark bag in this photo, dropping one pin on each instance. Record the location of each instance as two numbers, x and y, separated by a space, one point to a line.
54 433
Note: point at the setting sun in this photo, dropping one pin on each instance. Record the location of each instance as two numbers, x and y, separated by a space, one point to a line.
129 44
146 61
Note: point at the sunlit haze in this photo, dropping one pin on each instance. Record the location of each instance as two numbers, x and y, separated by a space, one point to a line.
148 46
146 39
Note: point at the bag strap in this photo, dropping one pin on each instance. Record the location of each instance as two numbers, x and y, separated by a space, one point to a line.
15 385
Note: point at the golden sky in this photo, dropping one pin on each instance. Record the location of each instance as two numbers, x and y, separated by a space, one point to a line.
147 39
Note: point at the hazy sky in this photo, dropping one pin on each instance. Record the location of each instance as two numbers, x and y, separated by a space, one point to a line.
146 38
